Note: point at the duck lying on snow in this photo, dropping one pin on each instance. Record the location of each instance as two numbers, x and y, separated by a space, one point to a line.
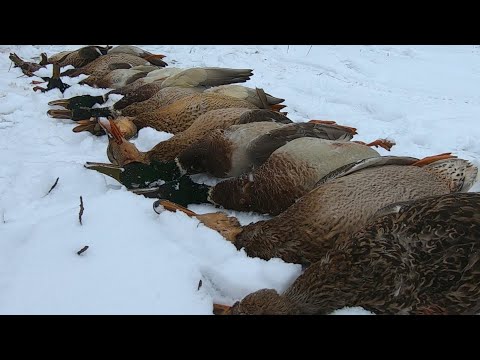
76 58
106 63
284 174
121 152
196 79
343 202
415 257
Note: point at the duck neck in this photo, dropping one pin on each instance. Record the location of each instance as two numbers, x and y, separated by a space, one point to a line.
102 112
148 173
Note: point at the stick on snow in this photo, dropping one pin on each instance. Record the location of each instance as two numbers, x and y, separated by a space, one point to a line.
81 211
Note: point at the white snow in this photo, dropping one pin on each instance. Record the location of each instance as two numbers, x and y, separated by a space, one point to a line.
424 97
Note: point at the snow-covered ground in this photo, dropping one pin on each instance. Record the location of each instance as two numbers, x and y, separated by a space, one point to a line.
424 97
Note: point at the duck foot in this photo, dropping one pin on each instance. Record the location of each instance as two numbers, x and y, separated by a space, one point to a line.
227 226
383 143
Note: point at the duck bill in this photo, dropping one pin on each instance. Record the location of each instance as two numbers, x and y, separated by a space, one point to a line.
89 125
60 102
114 171
219 309
60 114
112 130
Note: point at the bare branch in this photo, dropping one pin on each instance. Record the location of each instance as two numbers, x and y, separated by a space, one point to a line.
81 211
53 187
82 250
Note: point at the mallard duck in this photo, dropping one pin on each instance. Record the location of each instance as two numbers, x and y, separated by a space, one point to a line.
76 58
28 68
147 86
287 174
418 257
121 152
118 78
135 50
344 201
164 98
106 63
232 151
173 118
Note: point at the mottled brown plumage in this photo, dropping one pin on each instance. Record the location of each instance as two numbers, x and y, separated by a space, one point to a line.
418 257
190 78
232 151
178 116
122 152
118 78
245 93
106 63
135 50
341 206
161 98
289 173
76 58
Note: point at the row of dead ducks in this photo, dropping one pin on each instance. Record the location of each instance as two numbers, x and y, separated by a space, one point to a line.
394 235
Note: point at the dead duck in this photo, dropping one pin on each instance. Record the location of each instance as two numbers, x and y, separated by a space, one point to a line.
154 59
342 204
121 152
286 175
76 58
146 87
118 77
78 112
106 63
173 118
417 257
28 68
232 151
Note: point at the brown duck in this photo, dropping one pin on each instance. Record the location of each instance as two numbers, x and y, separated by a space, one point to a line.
106 63
418 257
232 151
118 77
150 96
155 59
173 118
76 58
342 204
287 174
121 152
